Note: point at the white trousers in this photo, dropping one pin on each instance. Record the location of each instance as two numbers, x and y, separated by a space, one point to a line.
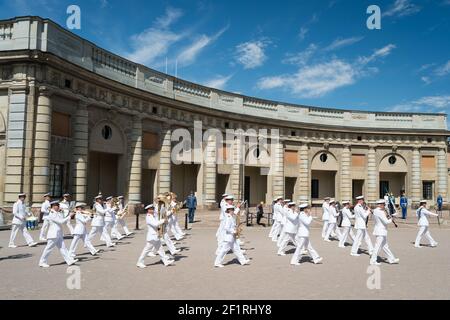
324 228
272 230
51 244
381 243
303 243
120 223
69 226
76 239
226 246
276 230
20 227
98 230
346 232
150 246
282 235
360 234
169 243
106 233
44 229
172 228
333 227
424 231
286 238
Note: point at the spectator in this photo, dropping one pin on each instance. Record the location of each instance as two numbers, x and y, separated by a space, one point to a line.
191 204
260 213
439 202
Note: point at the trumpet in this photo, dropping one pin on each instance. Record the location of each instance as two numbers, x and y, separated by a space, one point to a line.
163 200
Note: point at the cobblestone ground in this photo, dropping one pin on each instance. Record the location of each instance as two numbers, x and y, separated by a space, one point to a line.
422 273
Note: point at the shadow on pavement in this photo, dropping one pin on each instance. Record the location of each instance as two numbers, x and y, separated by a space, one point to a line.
16 256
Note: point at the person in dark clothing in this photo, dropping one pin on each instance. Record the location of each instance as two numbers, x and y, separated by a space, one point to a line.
260 214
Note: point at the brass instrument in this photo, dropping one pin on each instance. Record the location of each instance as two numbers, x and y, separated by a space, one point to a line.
239 224
163 202
123 212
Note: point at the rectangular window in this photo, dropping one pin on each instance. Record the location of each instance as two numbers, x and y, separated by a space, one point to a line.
223 151
384 188
60 124
358 160
56 180
150 141
427 190
290 157
314 189
428 162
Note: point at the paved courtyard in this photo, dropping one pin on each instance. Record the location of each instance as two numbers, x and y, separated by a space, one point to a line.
422 273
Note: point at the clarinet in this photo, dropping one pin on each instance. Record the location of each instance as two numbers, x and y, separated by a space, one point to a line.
391 216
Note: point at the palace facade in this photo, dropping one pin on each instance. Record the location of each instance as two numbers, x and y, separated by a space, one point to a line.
77 118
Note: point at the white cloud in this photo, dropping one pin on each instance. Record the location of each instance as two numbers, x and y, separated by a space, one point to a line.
434 101
401 8
190 53
251 54
339 43
424 104
302 57
155 41
443 70
427 80
218 82
316 80
303 32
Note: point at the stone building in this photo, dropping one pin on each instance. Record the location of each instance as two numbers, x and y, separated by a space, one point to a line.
77 118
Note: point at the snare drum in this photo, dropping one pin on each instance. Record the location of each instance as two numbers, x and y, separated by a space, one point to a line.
32 223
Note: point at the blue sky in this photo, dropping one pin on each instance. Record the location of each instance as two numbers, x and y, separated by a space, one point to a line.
308 52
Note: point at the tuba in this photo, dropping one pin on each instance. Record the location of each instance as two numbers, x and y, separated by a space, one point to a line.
163 202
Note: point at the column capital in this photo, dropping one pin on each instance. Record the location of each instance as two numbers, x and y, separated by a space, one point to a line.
45 91
83 104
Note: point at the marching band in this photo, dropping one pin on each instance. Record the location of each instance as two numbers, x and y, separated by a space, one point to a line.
291 226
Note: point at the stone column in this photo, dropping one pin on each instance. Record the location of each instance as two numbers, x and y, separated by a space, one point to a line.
303 177
415 176
372 177
42 144
80 152
442 171
277 167
210 172
164 160
237 169
134 182
15 144
345 177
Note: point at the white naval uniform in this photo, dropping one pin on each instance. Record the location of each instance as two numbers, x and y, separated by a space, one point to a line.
45 209
332 220
120 222
325 217
283 212
423 224
222 217
110 220
19 223
380 231
277 216
346 227
229 241
361 230
302 239
172 224
98 223
153 241
290 229
166 238
80 233
55 237
64 205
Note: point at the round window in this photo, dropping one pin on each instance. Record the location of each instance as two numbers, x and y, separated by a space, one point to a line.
392 159
257 152
323 157
106 132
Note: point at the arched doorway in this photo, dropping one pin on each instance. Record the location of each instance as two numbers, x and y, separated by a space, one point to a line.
393 170
107 147
324 167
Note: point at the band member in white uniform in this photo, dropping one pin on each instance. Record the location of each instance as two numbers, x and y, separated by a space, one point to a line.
222 216
332 220
166 238
153 240
45 210
98 222
120 220
283 212
55 235
290 228
173 226
19 222
229 239
110 220
361 215
380 232
80 230
277 216
302 237
423 224
346 224
65 208
325 215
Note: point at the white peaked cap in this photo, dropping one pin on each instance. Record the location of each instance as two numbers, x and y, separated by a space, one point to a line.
381 201
345 201
423 201
80 204
303 205
359 197
292 203
149 206
225 195
332 201
229 197
98 197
